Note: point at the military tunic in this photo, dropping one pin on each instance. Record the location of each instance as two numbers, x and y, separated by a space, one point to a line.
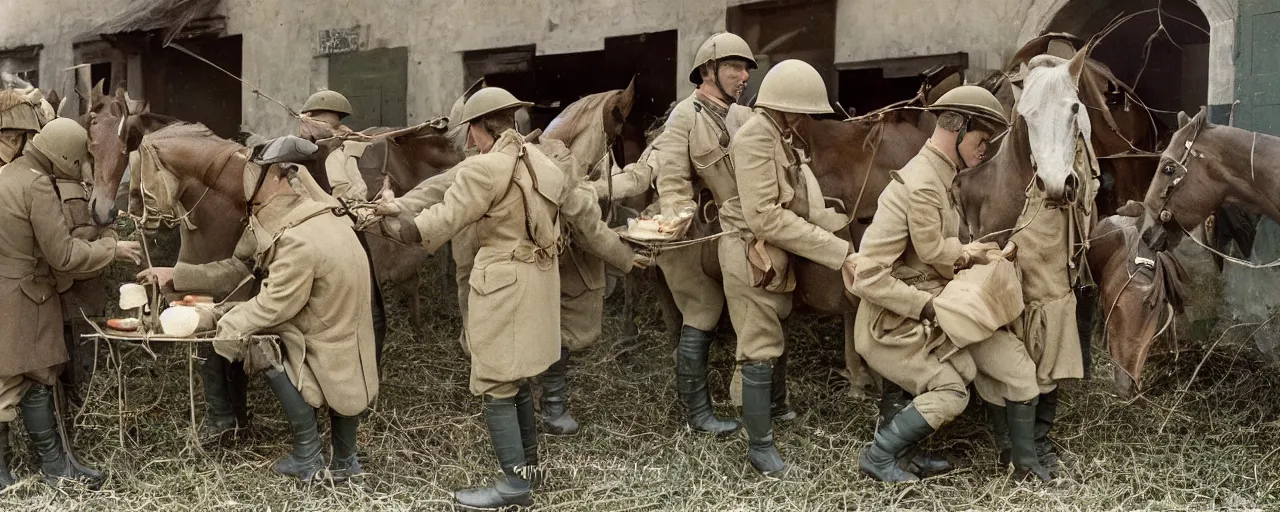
693 152
513 322
758 219
316 298
34 242
907 255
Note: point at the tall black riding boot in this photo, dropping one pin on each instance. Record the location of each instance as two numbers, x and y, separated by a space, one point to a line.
1046 414
342 431
880 460
779 410
1086 315
222 413
511 488
555 398
757 381
998 417
1022 440
691 382
529 435
921 462
6 478
56 460
306 459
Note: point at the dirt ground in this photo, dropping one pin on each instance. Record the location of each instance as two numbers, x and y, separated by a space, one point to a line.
1184 444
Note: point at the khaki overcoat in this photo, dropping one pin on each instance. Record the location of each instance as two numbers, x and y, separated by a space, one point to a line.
316 298
35 241
513 323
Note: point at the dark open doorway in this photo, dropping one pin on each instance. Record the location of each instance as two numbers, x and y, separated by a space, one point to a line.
867 86
552 82
181 86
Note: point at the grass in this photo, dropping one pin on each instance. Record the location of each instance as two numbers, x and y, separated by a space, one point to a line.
1207 443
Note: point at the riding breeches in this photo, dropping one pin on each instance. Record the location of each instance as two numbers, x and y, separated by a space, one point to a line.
698 296
756 313
1005 371
12 389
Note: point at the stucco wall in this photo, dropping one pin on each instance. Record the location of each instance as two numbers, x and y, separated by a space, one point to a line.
280 40
54 24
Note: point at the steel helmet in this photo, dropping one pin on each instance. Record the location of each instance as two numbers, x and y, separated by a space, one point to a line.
974 101
794 86
487 101
720 46
66 144
17 112
333 101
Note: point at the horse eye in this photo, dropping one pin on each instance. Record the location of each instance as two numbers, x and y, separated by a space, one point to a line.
1167 170
1075 108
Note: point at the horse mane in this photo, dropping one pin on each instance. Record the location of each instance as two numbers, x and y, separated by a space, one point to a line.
577 117
218 148
1045 84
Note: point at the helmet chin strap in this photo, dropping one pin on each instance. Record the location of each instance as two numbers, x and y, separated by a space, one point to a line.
964 130
729 99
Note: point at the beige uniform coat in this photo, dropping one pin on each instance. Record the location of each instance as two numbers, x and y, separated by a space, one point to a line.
907 255
316 298
345 180
80 291
34 242
692 153
767 173
513 323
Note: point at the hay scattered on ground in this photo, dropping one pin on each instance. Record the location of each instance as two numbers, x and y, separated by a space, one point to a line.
1210 447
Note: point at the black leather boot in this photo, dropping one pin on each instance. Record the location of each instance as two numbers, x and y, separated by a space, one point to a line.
1046 415
920 462
778 409
1022 440
1086 315
691 382
56 461
225 386
880 460
306 459
998 418
511 488
6 478
529 436
342 431
555 398
757 381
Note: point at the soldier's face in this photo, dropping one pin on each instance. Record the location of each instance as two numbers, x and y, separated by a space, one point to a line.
479 138
734 77
973 149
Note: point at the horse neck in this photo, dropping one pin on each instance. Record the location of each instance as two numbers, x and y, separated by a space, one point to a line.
212 192
991 194
1253 174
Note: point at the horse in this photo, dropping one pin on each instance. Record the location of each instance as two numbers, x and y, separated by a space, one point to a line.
1205 167
1136 286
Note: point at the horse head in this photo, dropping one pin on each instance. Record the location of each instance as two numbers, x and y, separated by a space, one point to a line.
1192 179
422 153
1058 126
116 125
589 126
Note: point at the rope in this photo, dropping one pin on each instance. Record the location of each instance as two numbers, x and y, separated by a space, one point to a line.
252 89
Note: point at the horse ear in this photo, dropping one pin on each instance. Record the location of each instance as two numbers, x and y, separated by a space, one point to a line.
627 98
95 95
1204 114
1077 63
1183 119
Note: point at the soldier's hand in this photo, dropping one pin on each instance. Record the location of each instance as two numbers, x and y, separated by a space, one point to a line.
402 228
387 206
977 253
641 262
128 250
160 276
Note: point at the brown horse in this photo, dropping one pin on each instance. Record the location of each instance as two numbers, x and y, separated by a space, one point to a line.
1205 167
1134 284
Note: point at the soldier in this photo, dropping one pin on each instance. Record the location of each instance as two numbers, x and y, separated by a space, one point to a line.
515 196
908 256
768 219
19 122
693 153
35 240
315 297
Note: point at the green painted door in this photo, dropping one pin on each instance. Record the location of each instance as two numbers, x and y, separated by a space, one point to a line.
1250 294
1258 66
376 82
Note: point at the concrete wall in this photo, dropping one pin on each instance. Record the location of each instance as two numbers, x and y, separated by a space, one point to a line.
280 40
55 25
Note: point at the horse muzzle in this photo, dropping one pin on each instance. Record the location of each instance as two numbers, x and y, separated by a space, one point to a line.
104 213
1059 191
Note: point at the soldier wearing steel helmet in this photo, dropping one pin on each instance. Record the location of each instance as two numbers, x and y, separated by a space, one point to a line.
692 153
35 242
514 196
924 322
769 219
19 122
